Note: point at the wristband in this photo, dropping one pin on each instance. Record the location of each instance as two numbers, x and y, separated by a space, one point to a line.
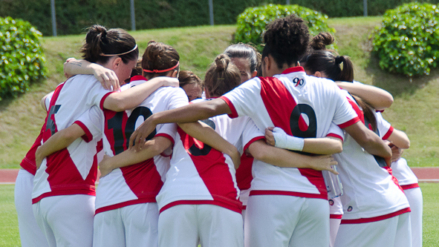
285 141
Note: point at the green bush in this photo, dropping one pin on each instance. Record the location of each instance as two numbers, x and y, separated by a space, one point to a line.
252 22
22 58
408 40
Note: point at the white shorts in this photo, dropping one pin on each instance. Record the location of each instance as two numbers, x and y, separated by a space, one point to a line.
336 213
392 232
334 225
30 232
414 196
66 220
130 226
282 221
213 226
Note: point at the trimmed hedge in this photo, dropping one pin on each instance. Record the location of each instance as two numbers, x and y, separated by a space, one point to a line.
252 22
74 16
408 40
22 58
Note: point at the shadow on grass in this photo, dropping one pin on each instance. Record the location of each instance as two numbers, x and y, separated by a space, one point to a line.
397 85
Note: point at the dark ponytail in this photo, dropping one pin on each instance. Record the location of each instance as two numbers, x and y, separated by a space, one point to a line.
324 61
102 44
368 112
222 76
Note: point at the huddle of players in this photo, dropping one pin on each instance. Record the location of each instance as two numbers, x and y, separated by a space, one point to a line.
179 188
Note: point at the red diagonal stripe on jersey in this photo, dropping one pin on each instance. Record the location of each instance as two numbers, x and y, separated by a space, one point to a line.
143 179
244 172
280 104
214 171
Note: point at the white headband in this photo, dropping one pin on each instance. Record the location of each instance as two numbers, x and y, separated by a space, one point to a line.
120 54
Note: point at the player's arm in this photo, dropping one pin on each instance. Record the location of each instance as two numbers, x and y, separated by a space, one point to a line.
186 114
119 101
43 101
153 147
284 158
327 145
107 77
378 98
369 140
60 140
132 97
399 139
207 135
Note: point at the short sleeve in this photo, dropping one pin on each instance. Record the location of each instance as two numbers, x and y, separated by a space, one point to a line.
167 130
345 115
335 131
242 99
384 127
97 95
178 98
47 100
91 122
251 134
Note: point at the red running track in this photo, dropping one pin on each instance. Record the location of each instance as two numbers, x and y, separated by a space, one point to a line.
424 174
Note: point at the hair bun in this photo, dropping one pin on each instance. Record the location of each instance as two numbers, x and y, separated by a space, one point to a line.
321 40
222 61
97 31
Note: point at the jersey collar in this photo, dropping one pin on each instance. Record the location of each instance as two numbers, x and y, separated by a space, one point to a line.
293 69
138 78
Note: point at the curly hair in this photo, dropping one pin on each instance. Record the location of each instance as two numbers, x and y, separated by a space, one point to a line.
286 40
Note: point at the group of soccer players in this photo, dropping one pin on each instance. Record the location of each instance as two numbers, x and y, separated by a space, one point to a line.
218 171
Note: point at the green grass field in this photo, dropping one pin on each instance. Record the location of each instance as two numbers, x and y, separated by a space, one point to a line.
9 236
413 111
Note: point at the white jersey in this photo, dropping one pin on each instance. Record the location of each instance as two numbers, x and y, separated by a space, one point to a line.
72 170
406 178
370 192
302 106
138 183
200 174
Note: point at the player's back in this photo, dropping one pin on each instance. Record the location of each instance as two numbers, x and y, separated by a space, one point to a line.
203 174
70 168
302 106
138 183
369 189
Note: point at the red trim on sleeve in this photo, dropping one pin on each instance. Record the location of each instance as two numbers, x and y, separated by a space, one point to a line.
87 137
166 136
349 123
410 186
293 69
257 138
374 219
389 132
381 111
336 216
231 106
138 78
335 135
101 105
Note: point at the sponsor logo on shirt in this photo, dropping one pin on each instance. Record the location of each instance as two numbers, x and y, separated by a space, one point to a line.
349 208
